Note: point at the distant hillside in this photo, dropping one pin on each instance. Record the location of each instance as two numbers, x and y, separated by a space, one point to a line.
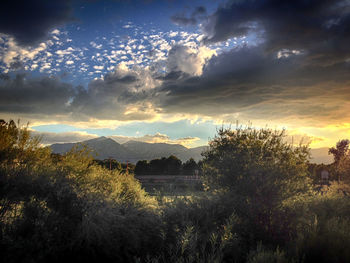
133 151
149 151
103 148
320 155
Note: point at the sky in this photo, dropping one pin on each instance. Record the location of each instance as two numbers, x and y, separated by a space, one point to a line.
176 71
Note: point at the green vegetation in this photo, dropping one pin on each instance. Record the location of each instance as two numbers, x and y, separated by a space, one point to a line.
261 204
167 166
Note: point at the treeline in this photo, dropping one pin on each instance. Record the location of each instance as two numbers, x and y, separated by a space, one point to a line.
339 170
113 164
167 166
110 164
260 205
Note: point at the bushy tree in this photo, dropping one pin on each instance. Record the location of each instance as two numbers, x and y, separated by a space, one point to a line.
173 165
341 163
163 166
189 167
261 172
340 151
55 208
142 167
110 164
254 159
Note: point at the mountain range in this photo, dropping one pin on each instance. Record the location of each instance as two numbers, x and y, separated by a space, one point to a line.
320 155
133 151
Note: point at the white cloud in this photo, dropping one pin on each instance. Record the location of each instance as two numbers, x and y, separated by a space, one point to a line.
99 67
95 45
155 138
64 52
48 138
173 34
55 32
12 52
45 66
189 60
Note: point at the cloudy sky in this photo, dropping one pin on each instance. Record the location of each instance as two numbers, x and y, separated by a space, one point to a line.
175 71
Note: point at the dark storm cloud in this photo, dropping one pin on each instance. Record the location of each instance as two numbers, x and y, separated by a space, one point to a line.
112 78
299 65
173 76
182 19
16 65
108 98
320 26
259 85
29 21
44 95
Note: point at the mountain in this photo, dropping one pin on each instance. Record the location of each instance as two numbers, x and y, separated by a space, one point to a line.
320 155
197 151
149 151
102 147
132 151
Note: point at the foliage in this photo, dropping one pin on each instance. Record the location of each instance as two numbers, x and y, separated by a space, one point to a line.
165 166
324 229
341 163
255 158
340 151
110 164
52 209
259 206
189 167
261 255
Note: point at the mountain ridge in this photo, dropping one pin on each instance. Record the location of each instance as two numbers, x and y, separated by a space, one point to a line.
132 151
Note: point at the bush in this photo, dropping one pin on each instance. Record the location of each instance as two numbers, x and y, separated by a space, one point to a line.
67 208
261 173
260 255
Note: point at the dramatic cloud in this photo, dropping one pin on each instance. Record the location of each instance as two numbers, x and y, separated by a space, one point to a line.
198 14
29 21
296 67
44 95
250 84
120 95
188 60
318 26
293 66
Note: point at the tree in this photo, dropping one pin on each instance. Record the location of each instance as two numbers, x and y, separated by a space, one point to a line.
110 164
55 207
260 171
19 154
158 166
340 151
341 154
189 167
173 165
142 168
